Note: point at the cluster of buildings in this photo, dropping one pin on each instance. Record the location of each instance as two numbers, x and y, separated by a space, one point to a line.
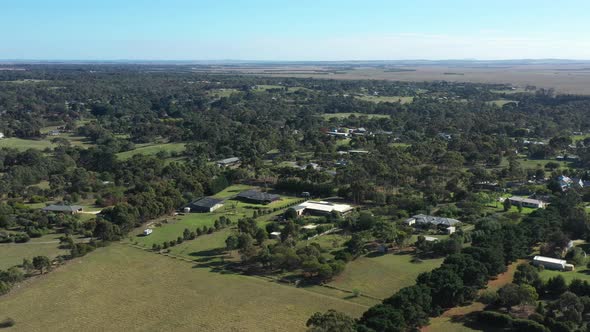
566 183
347 132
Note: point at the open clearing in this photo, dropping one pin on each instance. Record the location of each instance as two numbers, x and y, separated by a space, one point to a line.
386 99
382 276
12 254
152 149
346 115
25 144
126 289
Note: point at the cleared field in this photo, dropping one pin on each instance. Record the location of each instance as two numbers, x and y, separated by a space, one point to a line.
152 149
120 288
382 276
581 272
565 78
12 254
386 99
502 102
25 144
346 115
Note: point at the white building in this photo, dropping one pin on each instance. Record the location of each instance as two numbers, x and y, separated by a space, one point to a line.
1 135
147 232
550 263
527 202
321 207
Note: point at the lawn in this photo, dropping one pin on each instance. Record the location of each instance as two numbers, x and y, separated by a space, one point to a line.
265 87
152 149
386 99
328 116
581 272
25 144
120 288
382 276
12 254
502 102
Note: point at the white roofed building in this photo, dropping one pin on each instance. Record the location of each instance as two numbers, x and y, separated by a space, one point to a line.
321 207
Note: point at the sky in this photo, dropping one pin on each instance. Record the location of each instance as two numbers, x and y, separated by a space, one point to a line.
301 30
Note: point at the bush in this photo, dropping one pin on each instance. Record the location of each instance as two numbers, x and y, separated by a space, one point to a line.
8 322
495 319
525 325
21 238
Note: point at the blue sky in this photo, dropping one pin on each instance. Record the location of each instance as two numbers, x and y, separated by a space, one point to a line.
293 30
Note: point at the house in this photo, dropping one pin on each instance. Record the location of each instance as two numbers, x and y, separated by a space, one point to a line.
430 239
1 135
451 229
257 197
69 209
358 151
550 263
421 219
527 202
565 182
275 235
321 208
228 162
54 132
205 204
338 134
147 232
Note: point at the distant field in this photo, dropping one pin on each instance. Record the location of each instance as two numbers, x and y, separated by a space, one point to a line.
386 99
382 276
565 78
152 149
220 93
25 144
346 115
120 288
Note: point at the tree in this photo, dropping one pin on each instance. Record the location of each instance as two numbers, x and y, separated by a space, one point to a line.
570 306
41 262
527 274
507 205
331 321
231 243
290 214
556 286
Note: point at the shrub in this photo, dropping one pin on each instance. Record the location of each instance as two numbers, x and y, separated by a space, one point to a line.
525 325
8 322
495 319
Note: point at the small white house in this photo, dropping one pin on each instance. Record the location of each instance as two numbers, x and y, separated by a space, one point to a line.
1 135
147 232
275 235
451 230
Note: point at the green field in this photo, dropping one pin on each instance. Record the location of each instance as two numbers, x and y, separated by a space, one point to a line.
502 102
382 276
220 93
152 149
581 272
12 254
386 99
346 115
121 288
25 144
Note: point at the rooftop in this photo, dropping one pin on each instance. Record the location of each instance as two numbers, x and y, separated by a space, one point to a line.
228 160
324 206
258 195
424 219
206 202
549 260
63 208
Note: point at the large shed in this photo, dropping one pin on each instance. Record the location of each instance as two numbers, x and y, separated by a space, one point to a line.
205 204
550 263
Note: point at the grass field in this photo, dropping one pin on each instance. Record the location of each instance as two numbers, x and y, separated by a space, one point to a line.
501 102
346 115
120 288
12 254
152 149
581 272
25 144
386 99
382 276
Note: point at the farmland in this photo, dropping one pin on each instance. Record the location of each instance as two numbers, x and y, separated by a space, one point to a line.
386 99
160 293
152 149
25 144
14 253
